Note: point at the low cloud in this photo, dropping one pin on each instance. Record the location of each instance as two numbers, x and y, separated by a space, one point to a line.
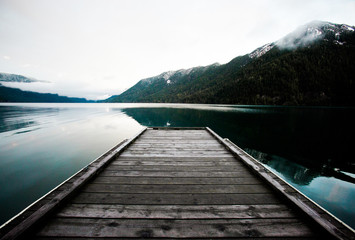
302 36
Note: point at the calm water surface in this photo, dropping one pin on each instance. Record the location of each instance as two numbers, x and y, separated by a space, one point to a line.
43 144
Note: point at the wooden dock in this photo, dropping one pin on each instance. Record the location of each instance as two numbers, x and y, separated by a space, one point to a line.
175 183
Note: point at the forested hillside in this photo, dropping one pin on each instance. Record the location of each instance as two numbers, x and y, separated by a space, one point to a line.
311 66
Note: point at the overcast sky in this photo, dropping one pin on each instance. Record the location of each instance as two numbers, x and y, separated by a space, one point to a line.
96 48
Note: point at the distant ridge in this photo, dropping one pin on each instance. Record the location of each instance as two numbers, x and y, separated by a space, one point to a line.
8 94
6 77
313 65
16 95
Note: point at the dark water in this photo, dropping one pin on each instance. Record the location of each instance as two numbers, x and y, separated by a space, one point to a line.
43 144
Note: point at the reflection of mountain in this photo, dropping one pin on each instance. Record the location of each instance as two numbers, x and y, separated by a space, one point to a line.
159 117
13 118
292 171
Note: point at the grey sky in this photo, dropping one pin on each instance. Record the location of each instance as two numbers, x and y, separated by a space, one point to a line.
92 48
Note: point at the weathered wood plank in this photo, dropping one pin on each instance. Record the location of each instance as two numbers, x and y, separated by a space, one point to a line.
182 141
168 188
143 162
168 153
200 162
195 141
183 144
199 152
147 154
178 199
216 160
176 133
171 160
176 211
176 137
171 180
172 144
78 227
172 130
108 172
174 149
179 168
186 137
175 141
156 238
198 159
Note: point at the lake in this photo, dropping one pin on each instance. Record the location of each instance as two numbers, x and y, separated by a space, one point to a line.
311 148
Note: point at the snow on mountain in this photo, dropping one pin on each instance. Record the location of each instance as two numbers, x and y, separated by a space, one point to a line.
167 76
6 77
262 50
314 31
305 35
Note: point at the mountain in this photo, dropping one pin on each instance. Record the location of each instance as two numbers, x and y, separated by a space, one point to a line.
157 89
6 77
313 65
16 95
8 94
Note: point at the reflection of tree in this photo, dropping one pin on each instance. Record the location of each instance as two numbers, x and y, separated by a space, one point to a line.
292 171
158 117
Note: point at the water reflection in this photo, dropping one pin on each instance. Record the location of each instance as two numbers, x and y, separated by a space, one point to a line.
42 146
13 118
292 172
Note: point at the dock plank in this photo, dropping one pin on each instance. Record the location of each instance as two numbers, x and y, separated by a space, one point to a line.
148 161
206 228
176 211
173 154
163 188
171 180
176 198
119 173
179 168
